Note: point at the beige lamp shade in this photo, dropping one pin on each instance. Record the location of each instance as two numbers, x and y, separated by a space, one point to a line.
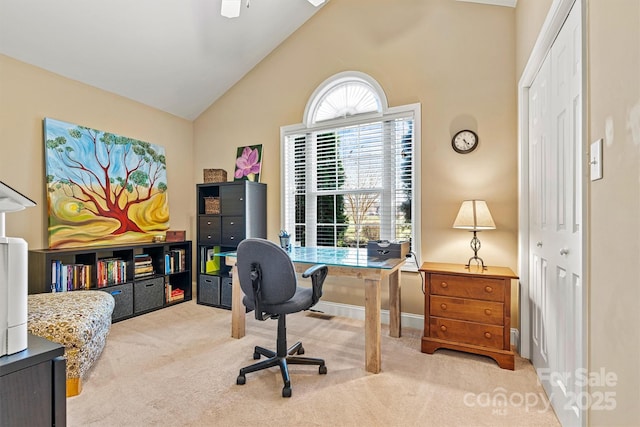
474 215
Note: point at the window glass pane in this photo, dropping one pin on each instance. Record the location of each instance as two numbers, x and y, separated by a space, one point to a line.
347 99
301 237
363 212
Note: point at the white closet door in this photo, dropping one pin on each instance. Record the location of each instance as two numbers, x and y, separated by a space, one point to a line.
555 229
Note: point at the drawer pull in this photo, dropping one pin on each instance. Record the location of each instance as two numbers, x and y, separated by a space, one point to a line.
443 328
209 236
231 238
487 335
488 289
487 312
231 223
208 222
444 285
443 306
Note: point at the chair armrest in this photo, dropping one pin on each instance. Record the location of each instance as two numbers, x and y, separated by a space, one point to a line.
317 273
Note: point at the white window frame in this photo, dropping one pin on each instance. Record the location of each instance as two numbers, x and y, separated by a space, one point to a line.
385 113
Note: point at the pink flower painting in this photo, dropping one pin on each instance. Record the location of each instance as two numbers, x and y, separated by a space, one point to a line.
248 163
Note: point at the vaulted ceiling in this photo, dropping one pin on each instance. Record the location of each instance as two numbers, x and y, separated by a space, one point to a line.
178 56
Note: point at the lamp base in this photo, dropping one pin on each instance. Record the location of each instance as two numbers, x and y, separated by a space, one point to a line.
475 246
476 259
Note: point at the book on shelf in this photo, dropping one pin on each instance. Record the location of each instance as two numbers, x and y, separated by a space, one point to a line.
143 266
175 261
173 295
111 271
69 277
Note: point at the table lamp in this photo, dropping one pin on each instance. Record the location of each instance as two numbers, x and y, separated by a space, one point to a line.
474 216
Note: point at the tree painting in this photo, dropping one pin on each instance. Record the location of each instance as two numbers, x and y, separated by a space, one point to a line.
103 188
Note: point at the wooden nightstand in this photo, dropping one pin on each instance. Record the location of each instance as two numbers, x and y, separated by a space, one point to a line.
468 309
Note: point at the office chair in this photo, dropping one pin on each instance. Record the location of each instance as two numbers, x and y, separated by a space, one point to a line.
268 279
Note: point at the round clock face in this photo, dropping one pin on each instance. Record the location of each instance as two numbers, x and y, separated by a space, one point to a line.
464 141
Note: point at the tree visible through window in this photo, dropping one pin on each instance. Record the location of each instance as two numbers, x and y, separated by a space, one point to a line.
350 171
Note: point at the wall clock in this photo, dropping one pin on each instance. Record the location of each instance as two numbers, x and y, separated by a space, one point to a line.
465 141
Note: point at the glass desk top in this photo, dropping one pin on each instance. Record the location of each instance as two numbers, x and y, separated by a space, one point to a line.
339 257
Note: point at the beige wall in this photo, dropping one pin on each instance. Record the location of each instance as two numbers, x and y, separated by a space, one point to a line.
29 94
530 15
613 99
614 104
455 58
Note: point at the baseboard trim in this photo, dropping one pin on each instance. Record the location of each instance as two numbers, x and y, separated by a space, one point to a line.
515 339
408 320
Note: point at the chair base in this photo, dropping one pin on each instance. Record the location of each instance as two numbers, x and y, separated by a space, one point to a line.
284 357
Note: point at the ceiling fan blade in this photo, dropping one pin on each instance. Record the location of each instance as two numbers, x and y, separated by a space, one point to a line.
230 8
316 3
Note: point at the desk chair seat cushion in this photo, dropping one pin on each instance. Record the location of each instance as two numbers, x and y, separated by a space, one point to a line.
301 300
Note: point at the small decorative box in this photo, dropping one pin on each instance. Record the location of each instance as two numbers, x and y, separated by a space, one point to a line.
215 175
176 235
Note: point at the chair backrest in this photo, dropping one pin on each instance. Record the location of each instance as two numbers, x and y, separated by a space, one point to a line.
278 275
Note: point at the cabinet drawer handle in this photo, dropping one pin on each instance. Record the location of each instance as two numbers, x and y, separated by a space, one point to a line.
488 289
231 238
444 285
443 328
443 306
487 335
241 199
208 222
487 312
209 236
231 223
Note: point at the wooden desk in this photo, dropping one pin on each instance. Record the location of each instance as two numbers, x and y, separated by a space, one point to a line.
345 262
468 309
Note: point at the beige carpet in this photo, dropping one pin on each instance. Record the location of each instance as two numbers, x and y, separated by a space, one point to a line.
178 367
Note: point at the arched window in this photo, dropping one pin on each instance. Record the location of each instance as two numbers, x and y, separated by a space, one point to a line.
344 95
351 169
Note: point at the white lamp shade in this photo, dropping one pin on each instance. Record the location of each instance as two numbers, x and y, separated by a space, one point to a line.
474 215
230 8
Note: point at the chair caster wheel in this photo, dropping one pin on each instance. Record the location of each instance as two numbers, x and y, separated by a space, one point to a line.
256 355
241 380
286 392
301 350
322 370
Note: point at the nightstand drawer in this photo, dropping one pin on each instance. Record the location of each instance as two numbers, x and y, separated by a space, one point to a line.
467 332
467 287
467 309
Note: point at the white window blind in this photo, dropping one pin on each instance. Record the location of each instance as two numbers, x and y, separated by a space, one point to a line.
348 184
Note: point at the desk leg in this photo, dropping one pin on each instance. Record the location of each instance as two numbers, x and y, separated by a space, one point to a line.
238 315
395 327
372 351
